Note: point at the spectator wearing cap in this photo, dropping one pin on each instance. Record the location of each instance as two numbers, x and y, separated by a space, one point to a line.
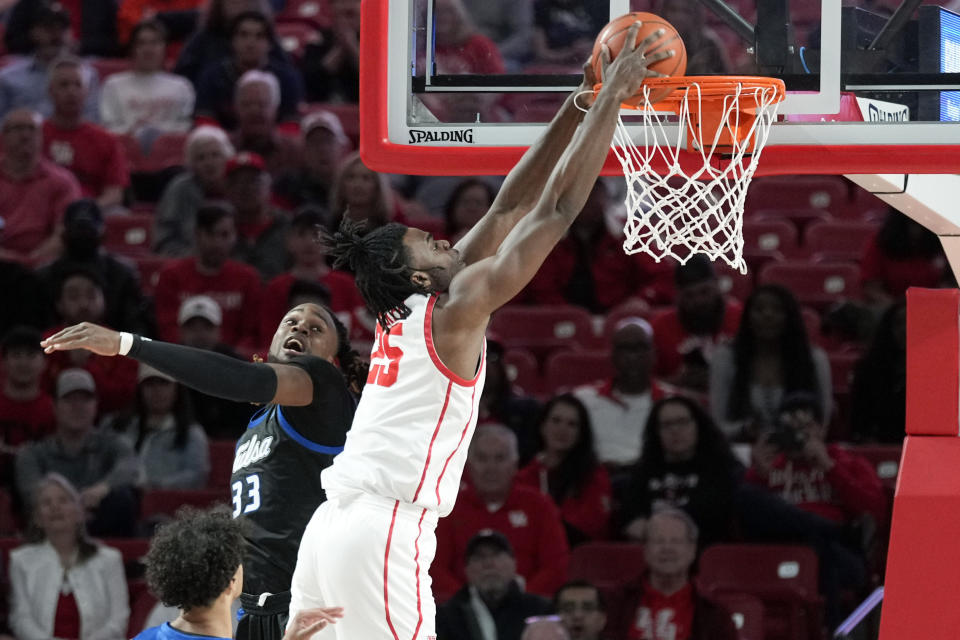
200 319
91 24
686 335
92 153
251 33
491 601
171 446
620 405
79 297
310 265
147 101
126 307
43 28
588 267
26 409
255 103
261 231
33 191
236 287
665 602
491 499
101 465
207 151
324 145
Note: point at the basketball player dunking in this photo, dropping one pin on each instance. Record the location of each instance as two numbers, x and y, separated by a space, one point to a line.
369 547
275 484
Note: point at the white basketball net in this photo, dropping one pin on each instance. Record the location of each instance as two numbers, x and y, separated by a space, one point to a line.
678 215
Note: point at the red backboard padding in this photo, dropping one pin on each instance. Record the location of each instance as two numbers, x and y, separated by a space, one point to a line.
933 361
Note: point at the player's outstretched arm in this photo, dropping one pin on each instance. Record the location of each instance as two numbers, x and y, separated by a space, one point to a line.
525 183
206 371
489 284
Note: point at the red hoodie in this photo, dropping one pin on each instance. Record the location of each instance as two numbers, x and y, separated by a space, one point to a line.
589 512
850 488
528 519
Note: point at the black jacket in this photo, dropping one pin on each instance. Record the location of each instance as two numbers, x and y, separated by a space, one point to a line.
456 620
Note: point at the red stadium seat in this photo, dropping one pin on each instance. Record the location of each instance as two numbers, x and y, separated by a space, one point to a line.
130 234
221 463
149 267
295 36
166 502
542 329
607 564
885 458
133 551
799 217
133 152
838 241
783 577
816 284
811 320
314 12
565 370
747 614
828 193
733 283
141 605
106 67
770 235
522 370
168 150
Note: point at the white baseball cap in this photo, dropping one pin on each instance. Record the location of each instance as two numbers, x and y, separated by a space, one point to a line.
200 307
72 380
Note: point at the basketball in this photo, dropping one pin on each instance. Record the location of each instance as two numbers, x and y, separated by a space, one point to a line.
614 34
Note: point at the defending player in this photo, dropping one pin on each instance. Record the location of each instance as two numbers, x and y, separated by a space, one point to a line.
276 483
194 564
370 545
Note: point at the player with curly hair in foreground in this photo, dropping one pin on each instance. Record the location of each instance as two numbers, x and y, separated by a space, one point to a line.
195 565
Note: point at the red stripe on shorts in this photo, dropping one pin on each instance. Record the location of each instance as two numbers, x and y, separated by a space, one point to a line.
416 561
386 562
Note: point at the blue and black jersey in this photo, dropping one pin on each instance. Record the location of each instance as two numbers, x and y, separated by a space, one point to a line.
275 484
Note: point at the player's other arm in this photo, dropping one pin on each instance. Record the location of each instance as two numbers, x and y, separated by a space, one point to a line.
493 282
206 371
524 184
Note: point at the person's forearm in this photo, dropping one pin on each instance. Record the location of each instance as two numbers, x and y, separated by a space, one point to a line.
208 372
523 185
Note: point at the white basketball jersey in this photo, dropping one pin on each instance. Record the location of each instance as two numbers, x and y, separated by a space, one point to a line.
413 426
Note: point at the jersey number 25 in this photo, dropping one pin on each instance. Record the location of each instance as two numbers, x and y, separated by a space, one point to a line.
385 361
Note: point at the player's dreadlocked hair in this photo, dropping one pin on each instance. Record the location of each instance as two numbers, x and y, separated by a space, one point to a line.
354 367
379 261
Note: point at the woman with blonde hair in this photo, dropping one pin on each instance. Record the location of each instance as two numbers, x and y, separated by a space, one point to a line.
362 195
206 154
62 584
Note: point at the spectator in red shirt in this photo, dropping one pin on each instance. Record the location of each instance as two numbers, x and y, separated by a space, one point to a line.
686 335
261 230
589 268
324 145
255 102
233 285
491 592
492 500
33 192
93 155
666 604
903 254
567 470
838 488
686 463
80 298
363 195
310 265
26 409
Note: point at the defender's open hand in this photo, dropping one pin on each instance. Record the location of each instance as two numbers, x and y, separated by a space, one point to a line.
86 335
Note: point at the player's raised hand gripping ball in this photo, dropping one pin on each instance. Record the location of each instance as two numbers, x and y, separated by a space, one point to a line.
614 34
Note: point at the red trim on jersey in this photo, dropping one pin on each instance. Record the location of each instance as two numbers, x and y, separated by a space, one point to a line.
463 435
436 432
386 562
428 335
416 561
